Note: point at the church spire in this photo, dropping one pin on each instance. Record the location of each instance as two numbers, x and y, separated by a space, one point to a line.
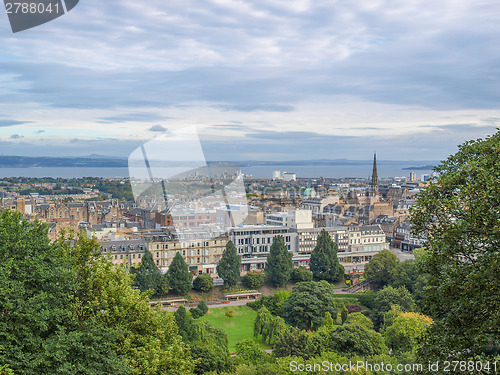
374 176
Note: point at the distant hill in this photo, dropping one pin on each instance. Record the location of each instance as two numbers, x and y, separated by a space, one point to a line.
30 162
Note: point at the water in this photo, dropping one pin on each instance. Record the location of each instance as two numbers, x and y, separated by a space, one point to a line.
302 171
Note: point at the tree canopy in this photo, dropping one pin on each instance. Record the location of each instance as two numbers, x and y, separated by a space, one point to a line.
459 215
149 277
229 266
279 262
65 309
178 275
379 269
324 263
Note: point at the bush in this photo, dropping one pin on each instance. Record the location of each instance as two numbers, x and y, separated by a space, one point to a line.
203 307
203 283
230 313
254 279
301 274
196 313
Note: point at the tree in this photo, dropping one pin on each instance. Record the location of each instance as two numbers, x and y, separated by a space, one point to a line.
301 274
350 340
279 262
203 283
178 275
250 351
402 334
230 265
324 263
458 215
388 297
68 310
254 280
308 303
380 268
185 324
149 277
359 319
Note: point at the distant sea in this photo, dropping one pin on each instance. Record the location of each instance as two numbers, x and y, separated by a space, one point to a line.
257 171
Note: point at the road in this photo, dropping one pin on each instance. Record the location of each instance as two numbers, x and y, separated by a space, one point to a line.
402 255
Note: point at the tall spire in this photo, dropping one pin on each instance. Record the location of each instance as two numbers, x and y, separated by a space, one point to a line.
374 176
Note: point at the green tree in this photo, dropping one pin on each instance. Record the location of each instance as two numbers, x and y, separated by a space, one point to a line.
351 340
279 262
229 267
301 274
359 319
185 324
178 275
149 277
458 215
203 283
379 269
388 297
68 310
254 280
324 263
308 303
402 334
250 351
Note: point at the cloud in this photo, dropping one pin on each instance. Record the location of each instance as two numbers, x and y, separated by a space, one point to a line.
7 123
16 136
157 128
40 131
132 117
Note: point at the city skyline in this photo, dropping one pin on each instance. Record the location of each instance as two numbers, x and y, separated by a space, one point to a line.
262 80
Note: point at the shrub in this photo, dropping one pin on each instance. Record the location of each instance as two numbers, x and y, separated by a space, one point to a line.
203 283
203 307
254 279
301 274
196 313
230 313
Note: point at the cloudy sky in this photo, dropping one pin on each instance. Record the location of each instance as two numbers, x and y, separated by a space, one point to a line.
262 79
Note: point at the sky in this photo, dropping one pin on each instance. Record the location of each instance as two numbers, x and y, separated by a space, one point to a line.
261 80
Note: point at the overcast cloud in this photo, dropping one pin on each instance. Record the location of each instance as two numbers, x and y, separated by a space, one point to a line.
262 79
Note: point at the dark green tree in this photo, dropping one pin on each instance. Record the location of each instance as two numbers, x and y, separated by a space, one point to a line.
185 324
351 340
229 266
279 262
178 275
203 283
380 268
301 274
388 297
308 303
254 280
459 215
149 277
324 263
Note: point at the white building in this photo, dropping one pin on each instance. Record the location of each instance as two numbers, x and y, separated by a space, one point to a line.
295 219
288 176
277 175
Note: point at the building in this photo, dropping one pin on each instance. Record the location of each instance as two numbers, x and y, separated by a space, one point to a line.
413 177
291 219
288 176
277 175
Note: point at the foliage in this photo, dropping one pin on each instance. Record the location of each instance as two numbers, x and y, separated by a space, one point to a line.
279 262
324 263
203 283
254 280
344 313
250 351
293 342
308 303
402 334
185 324
273 303
329 323
230 313
149 277
210 357
301 274
69 310
351 340
269 326
360 320
458 215
380 268
229 266
388 297
178 275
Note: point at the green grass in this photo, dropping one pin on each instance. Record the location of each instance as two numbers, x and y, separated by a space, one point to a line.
237 328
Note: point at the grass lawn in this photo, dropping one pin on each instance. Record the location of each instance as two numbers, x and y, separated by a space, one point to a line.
237 328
